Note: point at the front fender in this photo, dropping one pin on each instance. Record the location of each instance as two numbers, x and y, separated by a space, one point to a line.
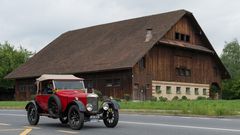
31 102
113 103
80 105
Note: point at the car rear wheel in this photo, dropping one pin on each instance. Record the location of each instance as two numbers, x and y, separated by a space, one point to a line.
110 118
32 115
75 118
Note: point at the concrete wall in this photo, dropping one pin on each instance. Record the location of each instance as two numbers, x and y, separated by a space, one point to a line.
183 86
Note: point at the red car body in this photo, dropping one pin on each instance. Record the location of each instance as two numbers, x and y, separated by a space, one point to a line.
65 97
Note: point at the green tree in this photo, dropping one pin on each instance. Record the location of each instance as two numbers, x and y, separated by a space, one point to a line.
231 59
11 58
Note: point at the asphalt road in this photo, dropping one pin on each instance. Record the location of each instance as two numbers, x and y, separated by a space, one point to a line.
14 122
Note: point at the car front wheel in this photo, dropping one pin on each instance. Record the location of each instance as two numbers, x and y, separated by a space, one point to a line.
110 117
32 115
75 118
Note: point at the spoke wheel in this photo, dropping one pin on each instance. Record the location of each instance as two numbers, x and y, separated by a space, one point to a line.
75 118
110 117
32 115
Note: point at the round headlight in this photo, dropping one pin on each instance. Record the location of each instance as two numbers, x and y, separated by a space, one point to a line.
89 107
105 106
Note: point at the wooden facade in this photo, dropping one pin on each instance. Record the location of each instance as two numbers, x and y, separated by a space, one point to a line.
182 54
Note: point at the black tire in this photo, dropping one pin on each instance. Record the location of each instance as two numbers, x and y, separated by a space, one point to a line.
64 120
54 106
32 115
110 118
75 118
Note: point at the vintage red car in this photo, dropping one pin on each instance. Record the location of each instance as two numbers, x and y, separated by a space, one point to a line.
65 97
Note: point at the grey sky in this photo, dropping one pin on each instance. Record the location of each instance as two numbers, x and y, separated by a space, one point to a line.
35 23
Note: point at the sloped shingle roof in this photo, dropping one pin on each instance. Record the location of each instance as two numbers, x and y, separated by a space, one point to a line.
117 45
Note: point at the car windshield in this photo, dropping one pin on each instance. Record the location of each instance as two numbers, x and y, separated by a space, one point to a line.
69 85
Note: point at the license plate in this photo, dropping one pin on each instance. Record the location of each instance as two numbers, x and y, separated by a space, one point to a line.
94 118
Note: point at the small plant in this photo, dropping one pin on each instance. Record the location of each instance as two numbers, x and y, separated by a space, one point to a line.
153 99
117 99
201 98
162 99
126 97
184 98
175 98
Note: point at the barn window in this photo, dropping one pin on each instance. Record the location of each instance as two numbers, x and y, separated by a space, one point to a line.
182 71
142 63
116 82
177 36
204 91
182 37
187 38
158 89
109 83
89 84
168 90
196 91
178 90
187 72
188 91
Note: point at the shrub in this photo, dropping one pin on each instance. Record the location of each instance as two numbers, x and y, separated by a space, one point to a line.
201 98
175 98
184 98
163 99
126 97
117 99
153 98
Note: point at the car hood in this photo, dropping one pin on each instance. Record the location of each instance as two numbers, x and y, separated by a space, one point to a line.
71 93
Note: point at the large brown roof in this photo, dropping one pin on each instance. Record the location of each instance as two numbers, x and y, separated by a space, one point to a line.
117 45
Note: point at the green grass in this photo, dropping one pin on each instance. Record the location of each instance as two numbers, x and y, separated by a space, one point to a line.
196 107
12 104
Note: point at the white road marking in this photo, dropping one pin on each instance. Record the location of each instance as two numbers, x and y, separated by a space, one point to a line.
7 114
180 126
4 124
69 132
5 130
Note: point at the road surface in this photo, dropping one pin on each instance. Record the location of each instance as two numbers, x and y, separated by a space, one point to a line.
14 122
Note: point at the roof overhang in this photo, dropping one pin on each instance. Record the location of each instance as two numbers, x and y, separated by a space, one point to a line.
185 45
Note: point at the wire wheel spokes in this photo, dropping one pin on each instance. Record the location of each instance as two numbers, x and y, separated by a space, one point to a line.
74 117
32 113
110 115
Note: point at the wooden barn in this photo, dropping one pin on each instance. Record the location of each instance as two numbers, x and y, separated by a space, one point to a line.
163 55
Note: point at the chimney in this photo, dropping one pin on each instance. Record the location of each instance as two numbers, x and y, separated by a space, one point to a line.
148 35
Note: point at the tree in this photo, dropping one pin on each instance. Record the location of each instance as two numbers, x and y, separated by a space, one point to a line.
231 59
11 58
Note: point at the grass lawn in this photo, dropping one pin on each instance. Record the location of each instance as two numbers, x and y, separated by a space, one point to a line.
12 104
193 107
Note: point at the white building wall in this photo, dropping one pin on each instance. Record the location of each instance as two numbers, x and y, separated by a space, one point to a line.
163 86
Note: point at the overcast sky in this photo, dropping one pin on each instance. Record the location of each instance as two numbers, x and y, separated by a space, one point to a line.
35 23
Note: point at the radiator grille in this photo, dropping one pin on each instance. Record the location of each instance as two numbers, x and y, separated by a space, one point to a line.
94 102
